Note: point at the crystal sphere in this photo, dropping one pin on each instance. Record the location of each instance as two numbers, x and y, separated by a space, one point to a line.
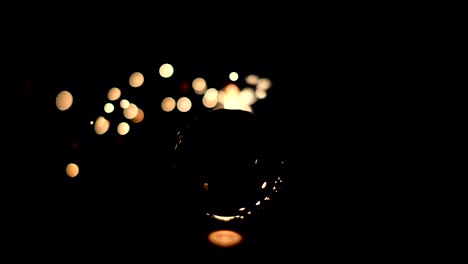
223 155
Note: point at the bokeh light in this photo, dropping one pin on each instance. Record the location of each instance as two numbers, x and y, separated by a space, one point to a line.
131 111
101 125
123 128
247 96
72 170
168 104
231 99
124 103
252 79
260 94
199 85
136 79
114 93
184 104
139 117
166 70
264 84
108 108
64 100
210 98
233 76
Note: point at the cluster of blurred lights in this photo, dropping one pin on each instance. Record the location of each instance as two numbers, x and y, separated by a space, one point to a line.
230 96
239 92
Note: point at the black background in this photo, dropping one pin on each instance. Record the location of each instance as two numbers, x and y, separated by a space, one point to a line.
335 116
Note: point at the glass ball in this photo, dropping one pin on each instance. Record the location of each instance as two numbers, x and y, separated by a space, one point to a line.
223 154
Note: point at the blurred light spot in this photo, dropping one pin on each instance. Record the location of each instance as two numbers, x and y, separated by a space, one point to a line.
91 122
232 97
123 128
221 94
247 96
231 88
101 126
199 85
131 111
205 186
257 203
139 117
168 104
260 94
124 103
242 209
166 70
108 108
136 79
224 238
264 84
210 98
252 79
72 170
264 185
184 104
64 100
266 198
114 93
233 76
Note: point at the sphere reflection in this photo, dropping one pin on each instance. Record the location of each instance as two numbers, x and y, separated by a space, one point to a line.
222 154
